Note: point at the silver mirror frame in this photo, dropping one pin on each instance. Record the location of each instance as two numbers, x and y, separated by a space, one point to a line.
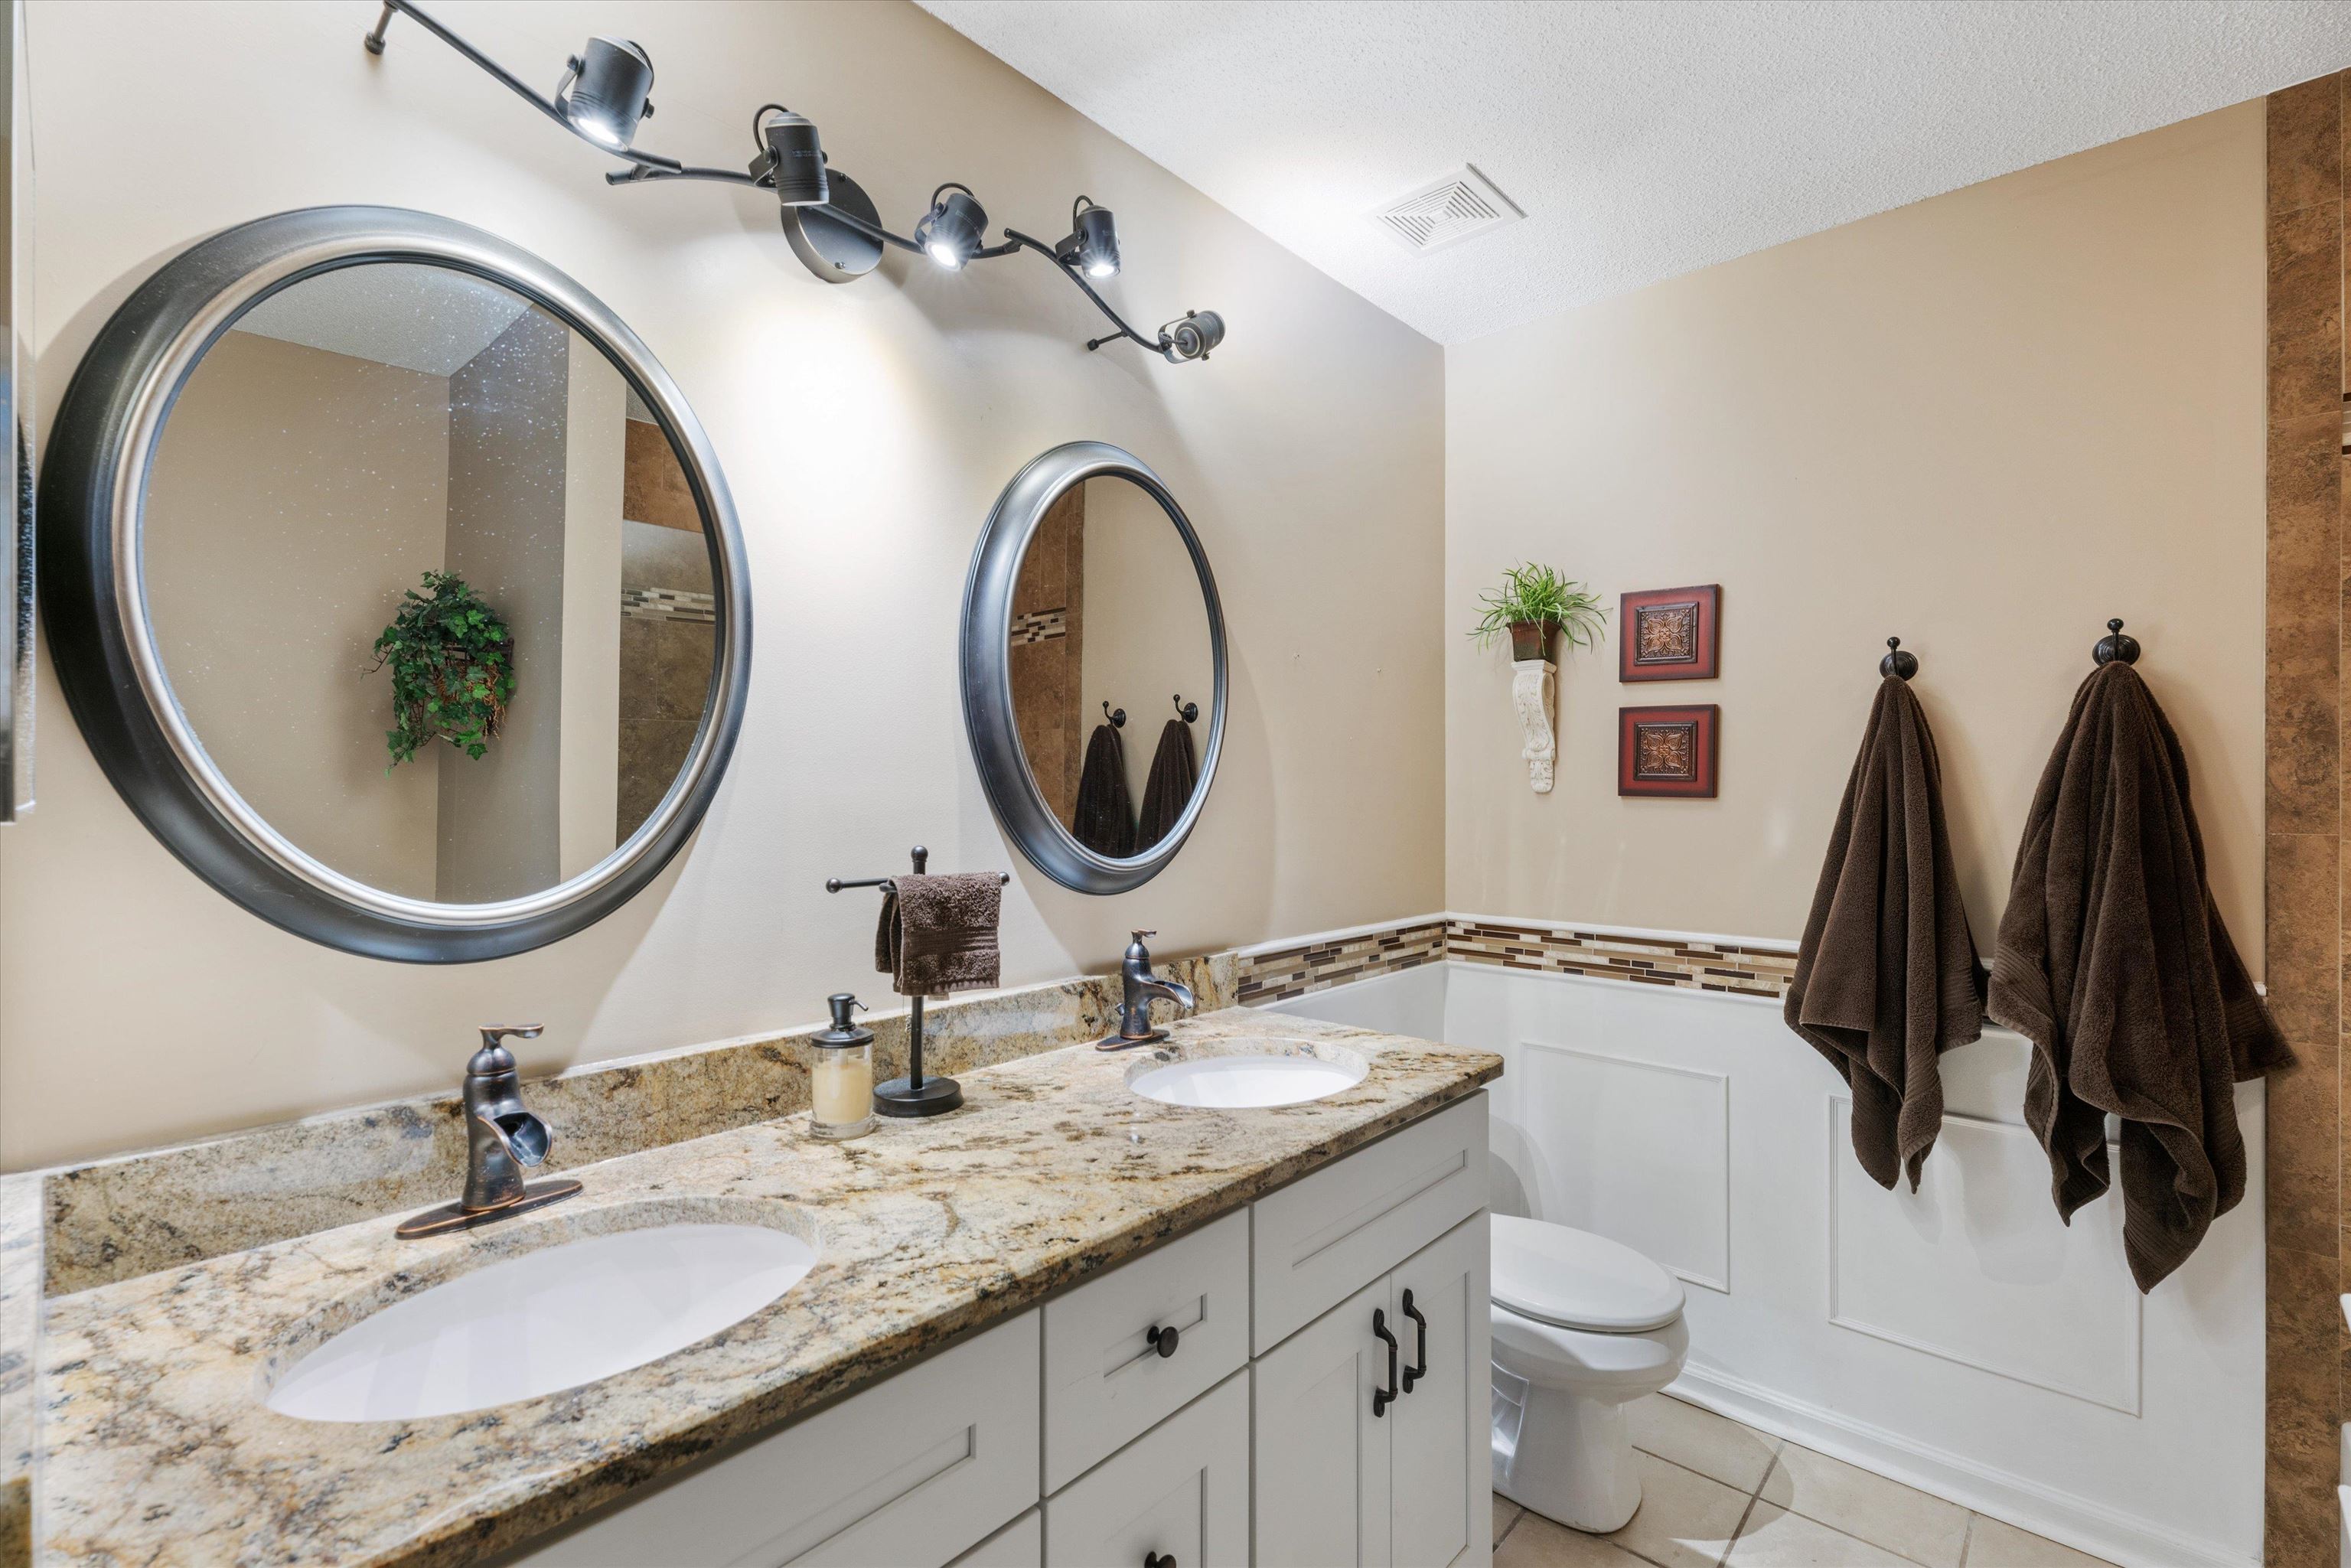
93 595
986 669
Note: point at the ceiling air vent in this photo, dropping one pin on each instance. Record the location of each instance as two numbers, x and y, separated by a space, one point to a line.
1447 211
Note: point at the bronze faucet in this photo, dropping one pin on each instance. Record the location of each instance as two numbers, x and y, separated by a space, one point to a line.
1140 987
501 1140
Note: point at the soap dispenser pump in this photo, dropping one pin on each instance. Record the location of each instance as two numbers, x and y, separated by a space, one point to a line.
841 1074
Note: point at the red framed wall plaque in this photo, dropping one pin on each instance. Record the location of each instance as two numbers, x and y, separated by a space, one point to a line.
1669 752
1670 634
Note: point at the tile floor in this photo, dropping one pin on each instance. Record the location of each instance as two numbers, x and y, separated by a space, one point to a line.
1716 1493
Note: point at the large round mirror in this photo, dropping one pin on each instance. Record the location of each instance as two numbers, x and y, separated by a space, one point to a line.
425 582
1093 665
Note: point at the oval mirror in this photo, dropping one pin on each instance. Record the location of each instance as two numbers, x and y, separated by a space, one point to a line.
395 586
1094 667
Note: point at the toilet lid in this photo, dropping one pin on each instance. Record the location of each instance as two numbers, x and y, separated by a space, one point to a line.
1575 1280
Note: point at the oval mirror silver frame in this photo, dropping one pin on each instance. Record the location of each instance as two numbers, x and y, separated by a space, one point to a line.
986 669
93 595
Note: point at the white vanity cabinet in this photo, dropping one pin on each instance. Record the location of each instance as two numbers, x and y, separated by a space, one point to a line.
1224 1399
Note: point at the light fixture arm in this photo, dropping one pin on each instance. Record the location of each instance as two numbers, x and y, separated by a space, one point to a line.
1015 240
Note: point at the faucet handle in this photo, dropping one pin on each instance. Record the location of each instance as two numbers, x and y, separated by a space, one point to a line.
493 1033
494 1057
1139 935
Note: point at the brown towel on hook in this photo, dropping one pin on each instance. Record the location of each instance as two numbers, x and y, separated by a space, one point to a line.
939 934
1173 774
1888 978
2113 961
1105 818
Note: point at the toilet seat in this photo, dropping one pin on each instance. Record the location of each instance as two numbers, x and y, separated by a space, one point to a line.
1574 1280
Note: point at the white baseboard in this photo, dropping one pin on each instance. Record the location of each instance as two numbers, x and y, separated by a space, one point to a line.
2076 1521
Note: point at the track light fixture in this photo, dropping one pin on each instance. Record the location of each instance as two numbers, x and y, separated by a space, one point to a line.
833 225
603 91
952 231
1092 242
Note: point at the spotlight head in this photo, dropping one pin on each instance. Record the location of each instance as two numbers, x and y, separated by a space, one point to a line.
795 157
953 228
1092 242
603 93
1193 336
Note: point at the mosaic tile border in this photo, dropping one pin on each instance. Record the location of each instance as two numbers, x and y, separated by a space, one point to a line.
669 604
1651 959
1315 964
1039 626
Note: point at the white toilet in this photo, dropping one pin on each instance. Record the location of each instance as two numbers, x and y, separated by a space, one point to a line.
1582 1326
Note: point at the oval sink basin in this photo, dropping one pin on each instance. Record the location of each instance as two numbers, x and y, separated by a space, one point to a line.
1247 1080
543 1321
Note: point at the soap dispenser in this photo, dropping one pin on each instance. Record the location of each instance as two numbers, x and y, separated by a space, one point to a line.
841 1074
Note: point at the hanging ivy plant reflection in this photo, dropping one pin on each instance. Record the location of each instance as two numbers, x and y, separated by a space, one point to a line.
452 663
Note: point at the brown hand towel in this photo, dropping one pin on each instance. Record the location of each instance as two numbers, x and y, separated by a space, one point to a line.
1173 774
939 934
2113 961
1888 978
1105 818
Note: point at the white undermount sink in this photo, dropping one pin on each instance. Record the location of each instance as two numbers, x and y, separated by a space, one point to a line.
544 1321
1251 1079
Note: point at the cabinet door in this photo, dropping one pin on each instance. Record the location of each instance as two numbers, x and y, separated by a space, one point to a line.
1321 1456
1019 1544
1179 1492
1443 1452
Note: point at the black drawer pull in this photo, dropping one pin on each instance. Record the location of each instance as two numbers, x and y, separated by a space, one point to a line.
1414 1374
1162 1339
1384 1397
1152 1559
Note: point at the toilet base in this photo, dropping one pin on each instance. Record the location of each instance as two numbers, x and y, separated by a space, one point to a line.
1568 1457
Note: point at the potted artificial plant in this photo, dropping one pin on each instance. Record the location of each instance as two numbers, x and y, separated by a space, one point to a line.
452 663
1534 605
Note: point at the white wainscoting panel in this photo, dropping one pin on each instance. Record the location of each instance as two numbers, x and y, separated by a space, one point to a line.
1966 1341
1966 1268
1642 1154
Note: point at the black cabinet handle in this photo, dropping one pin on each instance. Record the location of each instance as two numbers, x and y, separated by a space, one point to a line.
1414 1374
1152 1559
1384 1397
1162 1339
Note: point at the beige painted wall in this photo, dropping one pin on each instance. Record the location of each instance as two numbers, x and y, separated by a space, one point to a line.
276 561
1149 637
866 432
1985 423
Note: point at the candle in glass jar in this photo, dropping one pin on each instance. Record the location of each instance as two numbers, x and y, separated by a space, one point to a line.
841 1075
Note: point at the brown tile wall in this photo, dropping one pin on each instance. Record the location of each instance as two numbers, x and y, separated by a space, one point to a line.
2309 574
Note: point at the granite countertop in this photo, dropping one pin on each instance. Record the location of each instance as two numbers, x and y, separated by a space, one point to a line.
155 1446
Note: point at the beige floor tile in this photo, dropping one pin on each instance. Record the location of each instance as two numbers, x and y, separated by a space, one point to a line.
1774 1538
1700 1440
1537 1542
1506 1514
1992 1545
1686 1520
1904 1520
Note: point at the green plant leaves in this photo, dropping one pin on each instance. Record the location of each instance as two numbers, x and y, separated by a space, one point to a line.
452 664
1537 594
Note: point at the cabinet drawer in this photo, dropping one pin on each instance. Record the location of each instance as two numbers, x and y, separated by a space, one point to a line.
909 1472
1324 1237
1105 1384
1180 1490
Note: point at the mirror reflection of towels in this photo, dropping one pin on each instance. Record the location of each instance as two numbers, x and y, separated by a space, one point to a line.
1175 772
1105 818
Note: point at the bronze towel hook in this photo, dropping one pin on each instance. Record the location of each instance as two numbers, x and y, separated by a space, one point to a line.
2115 645
1897 661
1118 719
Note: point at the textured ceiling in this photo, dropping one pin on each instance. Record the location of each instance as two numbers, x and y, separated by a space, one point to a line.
1642 140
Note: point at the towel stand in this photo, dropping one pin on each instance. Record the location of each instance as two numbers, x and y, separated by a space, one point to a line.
1897 662
2115 645
913 1095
